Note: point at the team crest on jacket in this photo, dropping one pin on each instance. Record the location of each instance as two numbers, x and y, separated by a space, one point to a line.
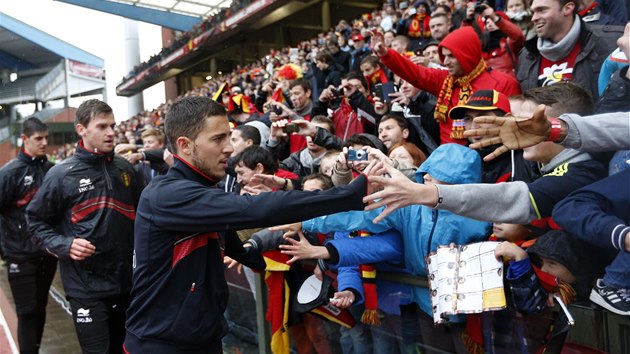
28 180
126 179
85 184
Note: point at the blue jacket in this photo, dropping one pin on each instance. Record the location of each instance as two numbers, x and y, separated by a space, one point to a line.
384 249
450 163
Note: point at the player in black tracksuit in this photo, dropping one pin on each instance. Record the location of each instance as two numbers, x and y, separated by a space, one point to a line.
30 270
186 224
84 213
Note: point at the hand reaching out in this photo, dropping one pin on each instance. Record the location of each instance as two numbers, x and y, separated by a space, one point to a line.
290 229
302 249
377 42
231 263
270 181
512 132
509 251
397 192
255 189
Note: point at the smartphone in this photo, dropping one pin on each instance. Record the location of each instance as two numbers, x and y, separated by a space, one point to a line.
412 11
378 91
386 89
291 128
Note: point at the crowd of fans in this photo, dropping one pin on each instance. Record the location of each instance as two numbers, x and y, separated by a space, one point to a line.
402 85
181 38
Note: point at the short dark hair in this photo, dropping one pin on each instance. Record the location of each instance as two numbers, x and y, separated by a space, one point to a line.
563 97
90 109
402 122
444 7
301 82
33 125
355 76
187 117
253 155
324 120
249 132
366 139
324 57
439 14
326 181
575 2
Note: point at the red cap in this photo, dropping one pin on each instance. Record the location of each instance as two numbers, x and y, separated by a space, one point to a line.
358 37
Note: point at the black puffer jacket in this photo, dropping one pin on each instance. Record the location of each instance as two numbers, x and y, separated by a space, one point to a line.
91 196
19 180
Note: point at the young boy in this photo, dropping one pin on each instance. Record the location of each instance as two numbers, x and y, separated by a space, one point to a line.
568 259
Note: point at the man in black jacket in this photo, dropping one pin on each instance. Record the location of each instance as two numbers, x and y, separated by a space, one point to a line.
565 49
30 271
186 225
83 213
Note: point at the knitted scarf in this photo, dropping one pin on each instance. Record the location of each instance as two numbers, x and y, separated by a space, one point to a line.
465 91
368 276
556 51
419 26
377 77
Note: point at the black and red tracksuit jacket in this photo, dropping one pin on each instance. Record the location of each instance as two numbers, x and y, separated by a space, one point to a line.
19 180
184 226
91 196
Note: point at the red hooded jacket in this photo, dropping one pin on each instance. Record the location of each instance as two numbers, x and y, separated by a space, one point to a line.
466 47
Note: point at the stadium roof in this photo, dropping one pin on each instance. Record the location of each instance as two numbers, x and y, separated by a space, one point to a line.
179 15
23 47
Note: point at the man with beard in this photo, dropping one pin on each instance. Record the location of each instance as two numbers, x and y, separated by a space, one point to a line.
186 225
565 49
83 214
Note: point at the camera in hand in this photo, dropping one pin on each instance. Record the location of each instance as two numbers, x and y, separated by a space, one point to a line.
276 109
337 91
291 128
480 7
357 155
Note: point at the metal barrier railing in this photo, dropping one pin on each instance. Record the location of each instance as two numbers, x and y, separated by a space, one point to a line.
595 328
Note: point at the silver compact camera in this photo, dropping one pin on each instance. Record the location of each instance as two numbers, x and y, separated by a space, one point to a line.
357 155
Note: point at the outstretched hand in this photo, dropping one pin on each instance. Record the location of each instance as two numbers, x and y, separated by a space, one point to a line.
300 249
271 181
231 263
512 133
377 42
290 229
397 192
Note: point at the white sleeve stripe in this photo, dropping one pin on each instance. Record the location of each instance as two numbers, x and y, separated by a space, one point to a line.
622 235
612 236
